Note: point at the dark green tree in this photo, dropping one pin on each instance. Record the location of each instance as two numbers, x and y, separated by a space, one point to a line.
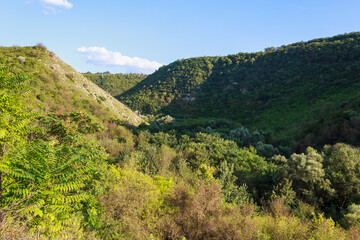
342 167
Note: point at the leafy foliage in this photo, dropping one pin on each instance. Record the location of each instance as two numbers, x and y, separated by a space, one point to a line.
308 176
342 166
51 179
14 119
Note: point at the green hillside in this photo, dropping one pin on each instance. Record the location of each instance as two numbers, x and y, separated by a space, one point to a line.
307 91
57 87
65 176
115 84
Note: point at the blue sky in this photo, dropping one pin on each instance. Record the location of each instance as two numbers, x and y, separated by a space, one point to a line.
141 35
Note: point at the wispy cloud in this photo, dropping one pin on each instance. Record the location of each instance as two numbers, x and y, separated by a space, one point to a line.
51 6
57 3
100 56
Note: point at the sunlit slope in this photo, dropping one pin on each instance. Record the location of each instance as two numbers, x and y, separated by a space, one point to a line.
57 87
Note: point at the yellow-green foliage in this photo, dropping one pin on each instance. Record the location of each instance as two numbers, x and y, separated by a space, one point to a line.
14 119
134 204
52 228
280 228
324 229
206 172
165 186
285 226
165 159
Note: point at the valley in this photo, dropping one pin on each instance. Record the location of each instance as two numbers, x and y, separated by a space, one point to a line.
251 146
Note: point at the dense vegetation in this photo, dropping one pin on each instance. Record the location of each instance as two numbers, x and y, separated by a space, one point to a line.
305 93
75 175
115 84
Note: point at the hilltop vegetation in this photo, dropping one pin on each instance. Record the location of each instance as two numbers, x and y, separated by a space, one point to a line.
115 84
68 173
57 87
305 93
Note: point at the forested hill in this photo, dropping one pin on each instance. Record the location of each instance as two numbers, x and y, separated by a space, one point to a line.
57 87
115 84
65 176
309 86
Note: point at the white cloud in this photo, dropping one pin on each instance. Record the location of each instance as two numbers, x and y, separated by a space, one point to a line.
57 3
102 57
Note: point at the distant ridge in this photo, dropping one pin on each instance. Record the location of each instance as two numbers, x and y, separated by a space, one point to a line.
116 83
299 90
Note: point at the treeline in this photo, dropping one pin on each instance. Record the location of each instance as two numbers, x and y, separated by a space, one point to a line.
305 93
115 84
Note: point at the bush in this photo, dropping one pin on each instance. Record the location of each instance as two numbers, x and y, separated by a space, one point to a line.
41 46
353 215
324 229
201 213
164 162
133 205
280 228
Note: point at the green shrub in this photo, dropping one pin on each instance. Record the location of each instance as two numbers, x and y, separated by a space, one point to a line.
324 229
280 228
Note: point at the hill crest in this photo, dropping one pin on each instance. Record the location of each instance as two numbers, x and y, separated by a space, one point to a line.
280 90
58 87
